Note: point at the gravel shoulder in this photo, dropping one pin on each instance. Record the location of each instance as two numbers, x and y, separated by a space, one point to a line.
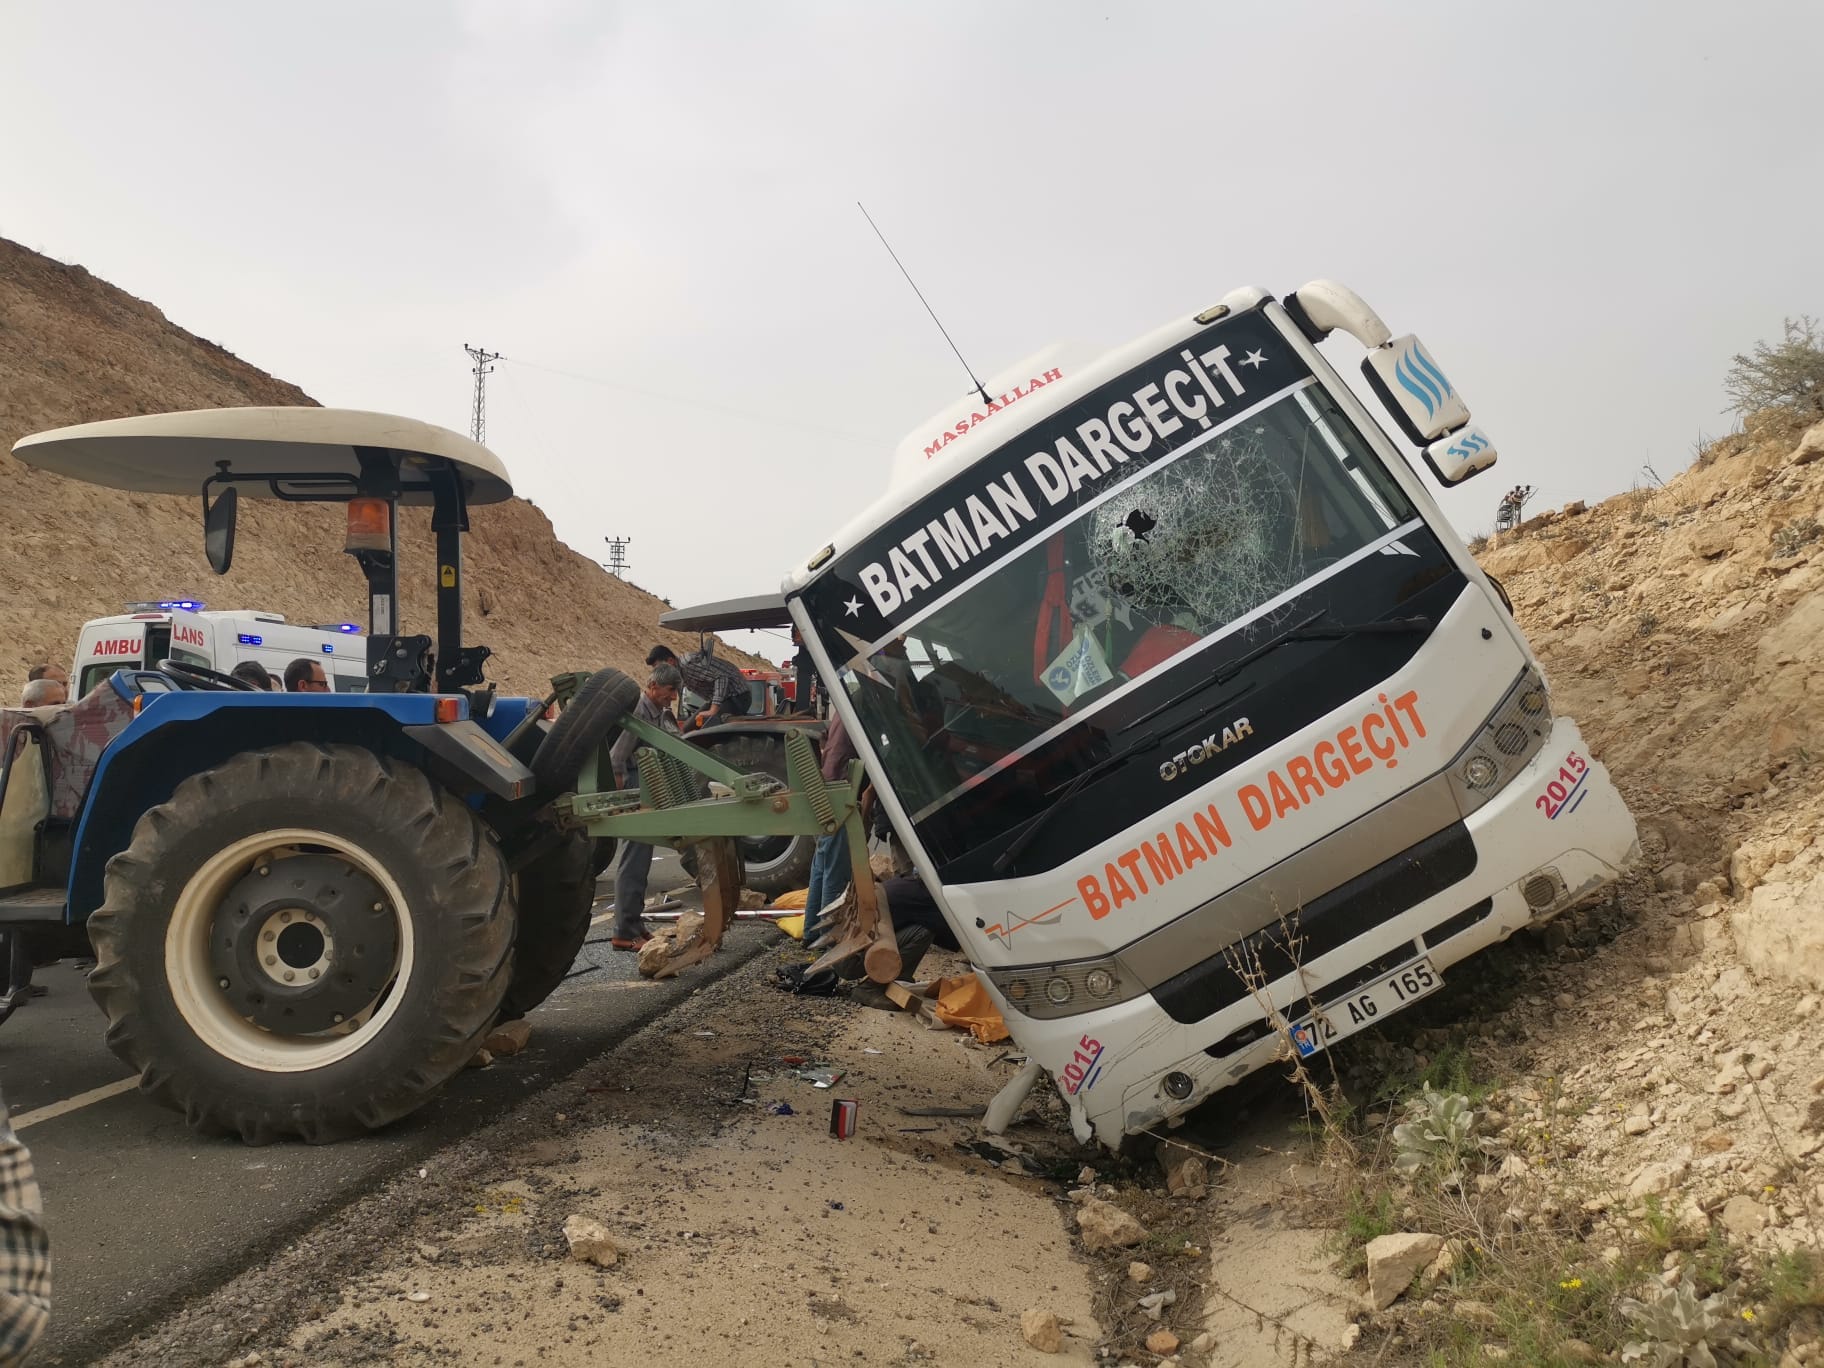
746 1235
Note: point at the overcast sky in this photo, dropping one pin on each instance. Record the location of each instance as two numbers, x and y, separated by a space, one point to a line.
1585 209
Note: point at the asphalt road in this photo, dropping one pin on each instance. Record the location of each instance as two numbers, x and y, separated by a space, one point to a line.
144 1213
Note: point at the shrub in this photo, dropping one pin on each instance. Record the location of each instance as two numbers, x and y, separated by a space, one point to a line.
1789 375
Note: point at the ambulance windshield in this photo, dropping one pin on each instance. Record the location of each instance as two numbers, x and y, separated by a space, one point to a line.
1195 545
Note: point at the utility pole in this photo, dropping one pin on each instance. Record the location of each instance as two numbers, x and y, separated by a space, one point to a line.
483 367
617 555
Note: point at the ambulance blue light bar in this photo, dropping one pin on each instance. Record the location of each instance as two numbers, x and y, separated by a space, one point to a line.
167 606
249 640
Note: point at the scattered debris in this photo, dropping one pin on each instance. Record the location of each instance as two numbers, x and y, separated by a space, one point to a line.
960 1113
654 953
1162 1342
1139 1272
508 1038
1153 1306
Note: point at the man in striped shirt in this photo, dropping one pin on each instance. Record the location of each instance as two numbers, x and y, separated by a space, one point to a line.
25 1251
719 682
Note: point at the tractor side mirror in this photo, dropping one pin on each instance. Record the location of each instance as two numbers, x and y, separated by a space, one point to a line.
218 530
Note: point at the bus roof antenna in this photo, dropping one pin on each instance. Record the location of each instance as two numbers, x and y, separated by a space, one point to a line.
979 387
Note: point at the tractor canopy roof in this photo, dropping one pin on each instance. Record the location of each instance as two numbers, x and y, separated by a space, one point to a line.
174 453
729 615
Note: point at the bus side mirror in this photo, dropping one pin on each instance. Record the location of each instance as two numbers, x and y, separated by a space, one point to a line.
1412 387
1460 454
218 530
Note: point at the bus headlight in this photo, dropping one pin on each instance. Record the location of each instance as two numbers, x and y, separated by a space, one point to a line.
1048 991
1504 745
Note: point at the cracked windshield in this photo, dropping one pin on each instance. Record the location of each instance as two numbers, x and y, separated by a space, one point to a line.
1167 561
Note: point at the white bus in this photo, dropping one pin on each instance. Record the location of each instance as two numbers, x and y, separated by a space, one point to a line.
1198 720
180 629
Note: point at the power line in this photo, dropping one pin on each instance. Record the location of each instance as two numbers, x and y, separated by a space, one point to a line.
483 367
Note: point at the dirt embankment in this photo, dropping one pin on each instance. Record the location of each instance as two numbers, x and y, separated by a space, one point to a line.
74 349
1683 626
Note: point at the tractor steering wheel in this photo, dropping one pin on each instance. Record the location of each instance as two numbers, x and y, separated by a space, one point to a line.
202 677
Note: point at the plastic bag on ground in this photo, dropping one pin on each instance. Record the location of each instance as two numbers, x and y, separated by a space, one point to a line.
964 1002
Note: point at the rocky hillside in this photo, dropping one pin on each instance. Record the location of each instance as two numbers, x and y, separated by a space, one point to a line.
74 349
1684 626
1646 1080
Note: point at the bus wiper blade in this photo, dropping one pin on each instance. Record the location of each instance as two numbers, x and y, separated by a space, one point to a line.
1272 643
1005 859
1312 630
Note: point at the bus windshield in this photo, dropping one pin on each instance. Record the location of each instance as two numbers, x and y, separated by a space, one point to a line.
1192 548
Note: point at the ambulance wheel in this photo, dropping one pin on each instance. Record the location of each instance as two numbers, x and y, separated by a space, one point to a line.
582 729
303 941
556 900
775 864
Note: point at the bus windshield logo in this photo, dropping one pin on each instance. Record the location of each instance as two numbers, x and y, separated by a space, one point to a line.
1213 744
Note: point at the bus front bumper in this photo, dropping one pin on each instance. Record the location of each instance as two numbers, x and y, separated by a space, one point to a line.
1130 1067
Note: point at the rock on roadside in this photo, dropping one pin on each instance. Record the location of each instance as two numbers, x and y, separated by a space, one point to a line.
1105 1226
1042 1331
1162 1342
1392 1262
590 1242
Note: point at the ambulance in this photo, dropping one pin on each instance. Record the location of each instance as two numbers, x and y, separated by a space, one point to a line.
181 630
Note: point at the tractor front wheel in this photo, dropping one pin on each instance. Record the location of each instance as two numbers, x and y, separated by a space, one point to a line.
303 941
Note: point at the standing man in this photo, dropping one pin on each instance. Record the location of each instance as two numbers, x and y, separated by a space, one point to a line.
719 682
305 675
630 875
831 872
25 1251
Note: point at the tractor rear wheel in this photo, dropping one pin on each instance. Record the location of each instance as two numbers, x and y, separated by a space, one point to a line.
307 940
556 900
774 864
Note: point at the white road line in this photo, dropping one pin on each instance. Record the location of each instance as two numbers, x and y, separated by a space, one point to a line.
51 1111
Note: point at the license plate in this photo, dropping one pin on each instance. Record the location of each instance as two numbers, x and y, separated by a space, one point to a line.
1365 1006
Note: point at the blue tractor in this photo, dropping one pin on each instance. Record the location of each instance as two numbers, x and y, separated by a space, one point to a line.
305 910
